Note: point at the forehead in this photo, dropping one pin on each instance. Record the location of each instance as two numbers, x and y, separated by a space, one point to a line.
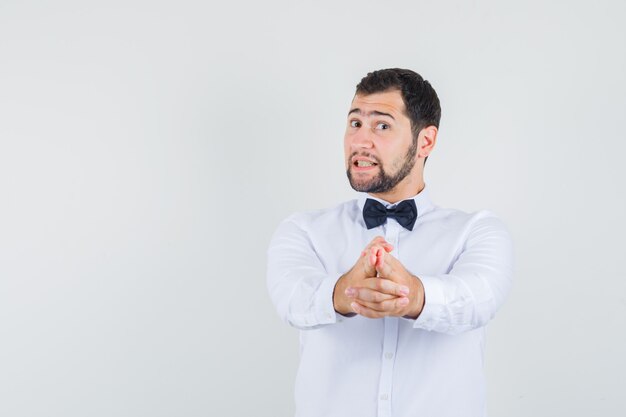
386 102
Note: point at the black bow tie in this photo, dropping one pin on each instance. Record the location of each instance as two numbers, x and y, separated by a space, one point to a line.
375 213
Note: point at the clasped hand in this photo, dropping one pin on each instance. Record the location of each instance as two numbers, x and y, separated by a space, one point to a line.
378 285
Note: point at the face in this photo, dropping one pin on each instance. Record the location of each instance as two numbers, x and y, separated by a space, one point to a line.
379 147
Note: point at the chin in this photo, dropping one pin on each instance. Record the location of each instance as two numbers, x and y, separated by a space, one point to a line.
362 186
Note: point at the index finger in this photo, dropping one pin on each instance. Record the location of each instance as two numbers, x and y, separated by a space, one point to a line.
386 286
378 241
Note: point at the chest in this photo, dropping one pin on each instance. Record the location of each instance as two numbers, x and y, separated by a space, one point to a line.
430 248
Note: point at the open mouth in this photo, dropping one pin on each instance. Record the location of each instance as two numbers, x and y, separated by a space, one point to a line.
364 164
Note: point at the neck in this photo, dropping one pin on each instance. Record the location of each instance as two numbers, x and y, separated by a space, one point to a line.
399 193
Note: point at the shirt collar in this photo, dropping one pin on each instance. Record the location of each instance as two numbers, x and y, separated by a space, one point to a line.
422 201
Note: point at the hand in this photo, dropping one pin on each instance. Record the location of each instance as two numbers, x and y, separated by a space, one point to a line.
394 293
363 269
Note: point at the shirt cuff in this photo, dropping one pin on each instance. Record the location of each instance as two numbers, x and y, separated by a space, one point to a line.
324 308
434 303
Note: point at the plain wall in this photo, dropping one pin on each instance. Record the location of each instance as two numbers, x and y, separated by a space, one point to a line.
148 150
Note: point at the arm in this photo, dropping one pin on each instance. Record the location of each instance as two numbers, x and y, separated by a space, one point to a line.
298 284
464 299
305 295
469 295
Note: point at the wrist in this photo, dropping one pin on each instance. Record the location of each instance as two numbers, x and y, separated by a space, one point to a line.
341 302
417 300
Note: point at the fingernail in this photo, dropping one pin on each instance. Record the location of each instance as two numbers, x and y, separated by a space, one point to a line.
403 301
354 307
404 290
350 292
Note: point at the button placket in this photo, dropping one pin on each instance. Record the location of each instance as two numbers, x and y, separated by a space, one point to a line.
385 386
392 231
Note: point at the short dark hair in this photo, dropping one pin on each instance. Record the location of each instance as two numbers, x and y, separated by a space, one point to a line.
420 99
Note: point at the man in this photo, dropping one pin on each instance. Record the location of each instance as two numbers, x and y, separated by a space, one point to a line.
390 291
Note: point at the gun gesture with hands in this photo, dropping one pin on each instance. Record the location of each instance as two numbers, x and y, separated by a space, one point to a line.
378 285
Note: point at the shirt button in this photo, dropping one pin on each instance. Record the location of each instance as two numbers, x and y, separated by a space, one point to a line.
388 355
384 397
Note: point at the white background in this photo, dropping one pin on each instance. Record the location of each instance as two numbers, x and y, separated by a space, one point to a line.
149 149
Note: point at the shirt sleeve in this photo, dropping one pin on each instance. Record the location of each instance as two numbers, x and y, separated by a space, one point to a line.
476 286
298 284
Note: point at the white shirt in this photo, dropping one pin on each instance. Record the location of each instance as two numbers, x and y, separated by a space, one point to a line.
391 367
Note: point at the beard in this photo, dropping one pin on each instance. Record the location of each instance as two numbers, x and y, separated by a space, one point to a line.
384 182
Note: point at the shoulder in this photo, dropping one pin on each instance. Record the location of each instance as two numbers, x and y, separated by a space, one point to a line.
331 215
455 219
322 221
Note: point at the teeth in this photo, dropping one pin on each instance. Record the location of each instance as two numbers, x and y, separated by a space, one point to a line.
364 164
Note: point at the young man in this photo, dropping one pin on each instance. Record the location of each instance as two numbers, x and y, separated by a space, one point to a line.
390 291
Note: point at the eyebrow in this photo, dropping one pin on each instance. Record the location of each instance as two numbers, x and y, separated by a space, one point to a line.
373 112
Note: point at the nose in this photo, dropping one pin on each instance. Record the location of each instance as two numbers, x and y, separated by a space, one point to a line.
361 138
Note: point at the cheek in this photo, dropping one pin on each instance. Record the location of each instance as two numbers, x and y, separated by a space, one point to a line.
346 147
394 158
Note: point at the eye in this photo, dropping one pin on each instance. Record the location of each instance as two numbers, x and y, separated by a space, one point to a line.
382 126
355 123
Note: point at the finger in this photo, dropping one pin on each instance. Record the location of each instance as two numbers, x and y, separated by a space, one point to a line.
377 240
374 253
391 269
384 268
366 294
395 305
380 241
365 311
374 250
368 268
380 256
392 306
376 307
386 286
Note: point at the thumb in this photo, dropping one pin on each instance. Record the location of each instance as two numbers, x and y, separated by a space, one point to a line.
369 267
383 267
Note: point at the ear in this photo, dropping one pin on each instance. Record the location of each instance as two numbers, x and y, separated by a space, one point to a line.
426 141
